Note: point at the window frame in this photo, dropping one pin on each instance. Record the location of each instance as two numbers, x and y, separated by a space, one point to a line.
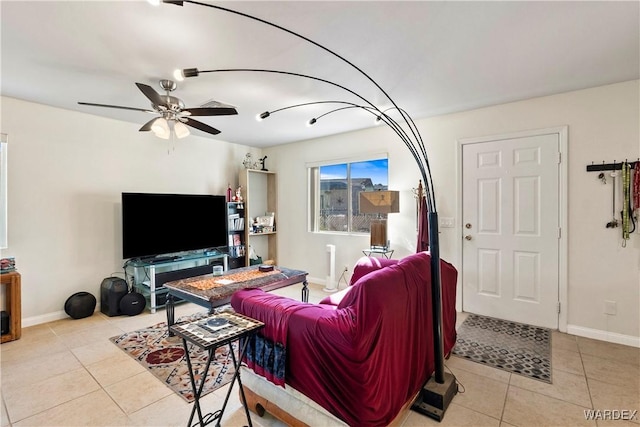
313 189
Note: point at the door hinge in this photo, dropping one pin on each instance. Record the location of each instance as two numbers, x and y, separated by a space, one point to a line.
559 157
559 233
558 307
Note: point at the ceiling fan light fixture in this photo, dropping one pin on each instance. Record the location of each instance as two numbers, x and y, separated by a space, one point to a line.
181 130
160 128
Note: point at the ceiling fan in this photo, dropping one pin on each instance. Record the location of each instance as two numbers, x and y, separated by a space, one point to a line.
173 114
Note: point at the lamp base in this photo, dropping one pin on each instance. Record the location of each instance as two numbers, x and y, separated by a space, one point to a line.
434 398
378 233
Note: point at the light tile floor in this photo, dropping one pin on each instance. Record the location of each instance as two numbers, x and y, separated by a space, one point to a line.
68 373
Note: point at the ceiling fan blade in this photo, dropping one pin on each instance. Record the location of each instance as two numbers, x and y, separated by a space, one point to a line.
116 106
147 126
150 93
211 111
201 126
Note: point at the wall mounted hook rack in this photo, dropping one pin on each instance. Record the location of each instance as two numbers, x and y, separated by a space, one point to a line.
615 166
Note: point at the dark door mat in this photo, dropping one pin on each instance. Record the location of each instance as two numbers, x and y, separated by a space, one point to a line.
510 346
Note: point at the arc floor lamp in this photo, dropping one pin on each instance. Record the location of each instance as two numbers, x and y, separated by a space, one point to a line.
441 387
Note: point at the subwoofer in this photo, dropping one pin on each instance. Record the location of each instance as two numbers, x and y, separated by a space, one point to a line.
112 290
80 305
132 304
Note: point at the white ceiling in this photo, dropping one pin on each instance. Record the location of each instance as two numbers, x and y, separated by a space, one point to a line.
430 57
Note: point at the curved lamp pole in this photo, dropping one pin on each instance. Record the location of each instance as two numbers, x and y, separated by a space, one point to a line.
436 394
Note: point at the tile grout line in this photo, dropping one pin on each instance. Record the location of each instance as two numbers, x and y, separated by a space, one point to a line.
506 397
104 390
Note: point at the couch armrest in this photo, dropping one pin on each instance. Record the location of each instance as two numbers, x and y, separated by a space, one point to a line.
273 310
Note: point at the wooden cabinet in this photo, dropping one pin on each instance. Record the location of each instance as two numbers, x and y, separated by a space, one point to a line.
13 305
260 201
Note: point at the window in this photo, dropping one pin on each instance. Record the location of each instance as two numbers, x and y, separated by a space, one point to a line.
335 194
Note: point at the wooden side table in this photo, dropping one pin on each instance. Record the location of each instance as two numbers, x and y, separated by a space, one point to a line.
13 305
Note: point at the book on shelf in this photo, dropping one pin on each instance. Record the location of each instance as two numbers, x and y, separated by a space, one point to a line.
236 223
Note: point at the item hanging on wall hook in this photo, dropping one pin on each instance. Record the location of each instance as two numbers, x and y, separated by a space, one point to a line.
627 210
602 177
614 222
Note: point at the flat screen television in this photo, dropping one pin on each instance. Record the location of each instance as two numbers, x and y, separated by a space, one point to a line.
159 224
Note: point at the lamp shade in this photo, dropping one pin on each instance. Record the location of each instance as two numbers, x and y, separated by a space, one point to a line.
161 128
380 202
181 130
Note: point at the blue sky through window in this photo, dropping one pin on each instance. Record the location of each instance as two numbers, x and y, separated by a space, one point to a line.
377 170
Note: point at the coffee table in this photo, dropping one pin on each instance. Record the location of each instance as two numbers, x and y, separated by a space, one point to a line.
212 291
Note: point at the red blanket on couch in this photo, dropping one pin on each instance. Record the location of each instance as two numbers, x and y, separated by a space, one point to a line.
363 359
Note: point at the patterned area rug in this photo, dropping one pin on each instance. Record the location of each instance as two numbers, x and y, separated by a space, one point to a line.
165 358
514 347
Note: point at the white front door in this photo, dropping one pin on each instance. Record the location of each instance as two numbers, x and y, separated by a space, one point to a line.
511 227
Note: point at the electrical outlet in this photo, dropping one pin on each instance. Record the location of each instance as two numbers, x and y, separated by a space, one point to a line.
610 308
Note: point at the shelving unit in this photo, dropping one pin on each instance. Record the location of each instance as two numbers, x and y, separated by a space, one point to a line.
260 190
235 231
148 277
13 302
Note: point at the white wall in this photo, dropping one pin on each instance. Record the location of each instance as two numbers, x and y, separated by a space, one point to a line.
603 124
67 171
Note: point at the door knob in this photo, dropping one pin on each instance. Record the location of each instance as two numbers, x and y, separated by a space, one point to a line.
468 237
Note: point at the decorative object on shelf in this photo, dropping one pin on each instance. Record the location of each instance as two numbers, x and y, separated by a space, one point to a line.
265 221
229 193
238 196
7 264
379 202
248 162
262 164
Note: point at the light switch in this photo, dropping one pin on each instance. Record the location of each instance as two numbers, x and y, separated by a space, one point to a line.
447 222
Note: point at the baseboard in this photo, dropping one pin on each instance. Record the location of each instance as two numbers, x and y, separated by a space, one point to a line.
43 318
317 280
49 317
598 334
339 286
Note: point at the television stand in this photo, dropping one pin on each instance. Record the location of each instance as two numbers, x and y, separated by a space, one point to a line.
148 275
158 259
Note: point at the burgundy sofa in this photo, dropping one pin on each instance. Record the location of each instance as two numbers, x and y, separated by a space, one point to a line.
362 354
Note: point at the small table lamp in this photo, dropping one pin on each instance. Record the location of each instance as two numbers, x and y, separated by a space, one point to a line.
379 202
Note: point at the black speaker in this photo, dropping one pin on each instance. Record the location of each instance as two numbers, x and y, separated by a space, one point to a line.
132 304
80 305
112 290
